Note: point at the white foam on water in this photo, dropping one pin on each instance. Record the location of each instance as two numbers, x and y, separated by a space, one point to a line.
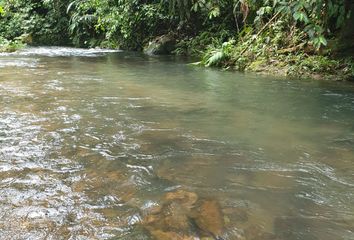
60 52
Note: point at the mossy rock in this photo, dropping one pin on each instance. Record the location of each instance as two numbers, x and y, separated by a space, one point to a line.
162 45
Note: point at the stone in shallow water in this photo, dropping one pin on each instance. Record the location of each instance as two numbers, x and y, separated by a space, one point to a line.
161 235
183 215
173 217
151 208
164 44
176 217
187 199
209 217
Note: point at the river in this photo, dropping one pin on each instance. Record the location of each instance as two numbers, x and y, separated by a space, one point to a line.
99 144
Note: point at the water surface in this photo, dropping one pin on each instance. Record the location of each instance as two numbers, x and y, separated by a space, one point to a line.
90 139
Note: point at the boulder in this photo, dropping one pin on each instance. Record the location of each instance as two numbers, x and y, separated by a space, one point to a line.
162 45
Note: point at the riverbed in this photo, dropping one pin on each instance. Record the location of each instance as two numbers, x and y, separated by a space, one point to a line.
100 144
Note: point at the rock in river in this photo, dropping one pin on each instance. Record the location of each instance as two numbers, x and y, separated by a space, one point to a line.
187 199
209 218
164 44
184 216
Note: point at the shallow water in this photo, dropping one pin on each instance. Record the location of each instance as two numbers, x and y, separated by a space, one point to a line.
90 139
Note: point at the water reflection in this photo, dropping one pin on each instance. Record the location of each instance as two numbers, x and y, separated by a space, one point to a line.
102 145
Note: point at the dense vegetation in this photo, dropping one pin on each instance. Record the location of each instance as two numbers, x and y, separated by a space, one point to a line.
294 36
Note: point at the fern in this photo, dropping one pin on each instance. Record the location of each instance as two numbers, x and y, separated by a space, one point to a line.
215 59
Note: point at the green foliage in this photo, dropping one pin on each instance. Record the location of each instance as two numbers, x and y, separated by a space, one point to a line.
130 23
10 46
197 45
121 23
316 63
275 51
218 56
184 8
318 18
44 20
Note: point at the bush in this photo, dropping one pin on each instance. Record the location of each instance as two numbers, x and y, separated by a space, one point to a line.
10 46
45 21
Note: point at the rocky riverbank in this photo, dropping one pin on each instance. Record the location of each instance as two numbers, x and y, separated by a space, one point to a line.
264 57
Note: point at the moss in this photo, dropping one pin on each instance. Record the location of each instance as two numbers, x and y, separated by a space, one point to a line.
257 65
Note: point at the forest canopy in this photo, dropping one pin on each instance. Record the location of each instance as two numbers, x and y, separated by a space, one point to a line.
130 22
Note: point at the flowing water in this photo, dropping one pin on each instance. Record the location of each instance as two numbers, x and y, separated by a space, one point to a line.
90 140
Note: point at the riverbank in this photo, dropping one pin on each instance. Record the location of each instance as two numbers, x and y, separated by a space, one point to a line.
271 53
298 39
309 67
293 65
246 54
274 53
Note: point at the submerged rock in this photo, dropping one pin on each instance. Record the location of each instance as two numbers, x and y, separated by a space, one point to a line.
183 215
209 218
164 44
187 199
161 235
173 217
239 214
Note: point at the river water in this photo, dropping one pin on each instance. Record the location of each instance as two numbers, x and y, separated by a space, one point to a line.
92 143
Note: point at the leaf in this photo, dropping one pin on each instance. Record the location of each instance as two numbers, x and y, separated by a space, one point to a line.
70 6
268 9
296 15
215 58
260 11
275 3
195 7
215 12
301 16
323 41
311 33
319 41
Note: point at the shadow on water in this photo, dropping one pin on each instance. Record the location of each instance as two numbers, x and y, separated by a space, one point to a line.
114 145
